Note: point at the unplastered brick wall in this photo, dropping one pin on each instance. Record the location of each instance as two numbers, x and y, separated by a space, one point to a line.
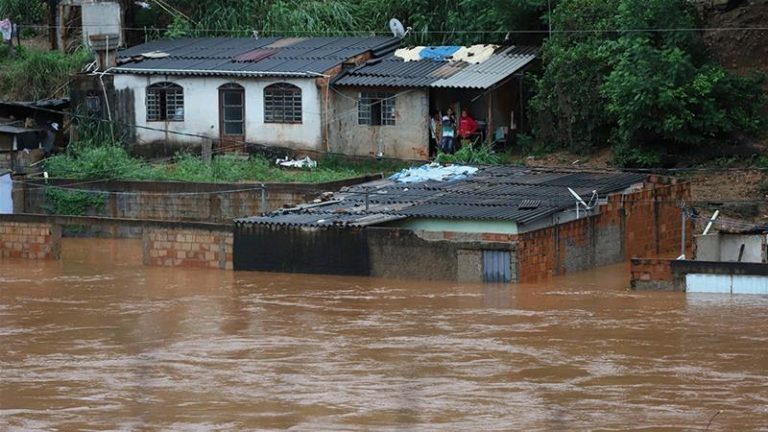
30 240
651 274
646 223
188 247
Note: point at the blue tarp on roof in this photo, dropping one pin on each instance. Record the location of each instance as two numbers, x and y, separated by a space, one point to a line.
438 52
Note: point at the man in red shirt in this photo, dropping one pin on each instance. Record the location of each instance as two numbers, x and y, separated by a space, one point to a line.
467 125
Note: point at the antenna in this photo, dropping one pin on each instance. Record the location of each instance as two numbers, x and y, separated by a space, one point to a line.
397 28
587 207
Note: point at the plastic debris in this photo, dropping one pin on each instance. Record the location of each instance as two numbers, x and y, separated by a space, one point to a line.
433 172
287 162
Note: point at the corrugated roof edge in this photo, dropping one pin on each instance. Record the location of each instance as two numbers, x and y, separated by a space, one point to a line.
180 72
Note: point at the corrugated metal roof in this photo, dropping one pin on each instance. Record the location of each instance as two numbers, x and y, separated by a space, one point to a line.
321 219
395 72
500 193
263 57
486 74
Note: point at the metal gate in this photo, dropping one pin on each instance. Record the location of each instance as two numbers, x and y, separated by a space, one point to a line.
496 266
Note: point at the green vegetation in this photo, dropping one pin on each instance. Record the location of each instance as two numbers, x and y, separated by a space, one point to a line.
471 154
432 22
648 94
74 203
34 74
98 155
113 162
21 11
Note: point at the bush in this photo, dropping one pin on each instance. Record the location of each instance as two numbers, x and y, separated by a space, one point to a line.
74 203
646 93
471 154
36 74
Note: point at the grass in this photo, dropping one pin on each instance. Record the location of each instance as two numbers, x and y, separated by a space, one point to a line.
34 74
471 154
112 161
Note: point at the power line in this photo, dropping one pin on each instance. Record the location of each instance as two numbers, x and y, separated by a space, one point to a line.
442 32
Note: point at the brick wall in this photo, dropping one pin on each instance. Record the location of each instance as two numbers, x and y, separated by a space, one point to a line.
642 224
30 240
188 247
651 274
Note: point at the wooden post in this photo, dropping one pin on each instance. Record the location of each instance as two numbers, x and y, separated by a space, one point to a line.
53 9
489 120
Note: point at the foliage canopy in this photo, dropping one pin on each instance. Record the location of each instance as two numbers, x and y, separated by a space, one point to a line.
609 78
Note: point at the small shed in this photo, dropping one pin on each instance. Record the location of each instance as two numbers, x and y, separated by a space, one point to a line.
383 108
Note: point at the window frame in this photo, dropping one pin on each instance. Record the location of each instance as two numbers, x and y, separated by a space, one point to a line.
283 104
163 100
376 108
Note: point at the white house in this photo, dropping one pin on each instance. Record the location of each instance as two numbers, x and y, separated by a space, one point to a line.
269 91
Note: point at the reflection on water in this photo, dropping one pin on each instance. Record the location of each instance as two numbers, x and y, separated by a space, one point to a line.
96 341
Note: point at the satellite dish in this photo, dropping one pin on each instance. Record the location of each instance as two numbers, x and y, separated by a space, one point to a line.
578 198
397 28
587 207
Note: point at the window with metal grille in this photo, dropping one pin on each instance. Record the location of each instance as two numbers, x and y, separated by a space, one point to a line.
376 109
282 104
165 102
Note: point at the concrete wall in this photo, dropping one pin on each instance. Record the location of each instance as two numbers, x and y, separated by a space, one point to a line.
408 254
201 111
463 226
726 247
707 247
754 247
29 239
188 247
179 201
407 139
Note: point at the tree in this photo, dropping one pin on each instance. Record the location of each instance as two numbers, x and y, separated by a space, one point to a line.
626 77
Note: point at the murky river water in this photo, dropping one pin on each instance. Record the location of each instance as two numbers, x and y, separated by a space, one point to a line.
99 342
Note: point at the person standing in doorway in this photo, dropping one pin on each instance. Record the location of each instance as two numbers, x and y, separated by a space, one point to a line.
448 125
435 129
467 125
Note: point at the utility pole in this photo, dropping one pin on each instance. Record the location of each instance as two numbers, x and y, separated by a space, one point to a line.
53 19
549 16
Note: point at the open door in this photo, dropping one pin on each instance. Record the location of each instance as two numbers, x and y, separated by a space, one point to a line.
232 117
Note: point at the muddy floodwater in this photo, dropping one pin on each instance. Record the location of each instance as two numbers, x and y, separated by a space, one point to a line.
97 341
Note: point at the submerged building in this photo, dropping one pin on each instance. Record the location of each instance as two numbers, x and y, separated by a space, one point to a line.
497 224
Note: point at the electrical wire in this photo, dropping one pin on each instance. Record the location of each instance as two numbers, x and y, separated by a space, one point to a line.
443 32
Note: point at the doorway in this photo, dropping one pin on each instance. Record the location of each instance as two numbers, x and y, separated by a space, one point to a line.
232 116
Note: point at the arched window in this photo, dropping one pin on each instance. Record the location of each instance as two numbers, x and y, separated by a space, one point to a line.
282 103
165 102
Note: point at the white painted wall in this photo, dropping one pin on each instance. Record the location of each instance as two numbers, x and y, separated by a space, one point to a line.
201 111
726 284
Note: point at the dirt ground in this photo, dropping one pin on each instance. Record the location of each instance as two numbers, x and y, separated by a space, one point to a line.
741 50
738 192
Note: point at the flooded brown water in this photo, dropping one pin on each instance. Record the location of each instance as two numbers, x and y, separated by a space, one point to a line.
96 341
